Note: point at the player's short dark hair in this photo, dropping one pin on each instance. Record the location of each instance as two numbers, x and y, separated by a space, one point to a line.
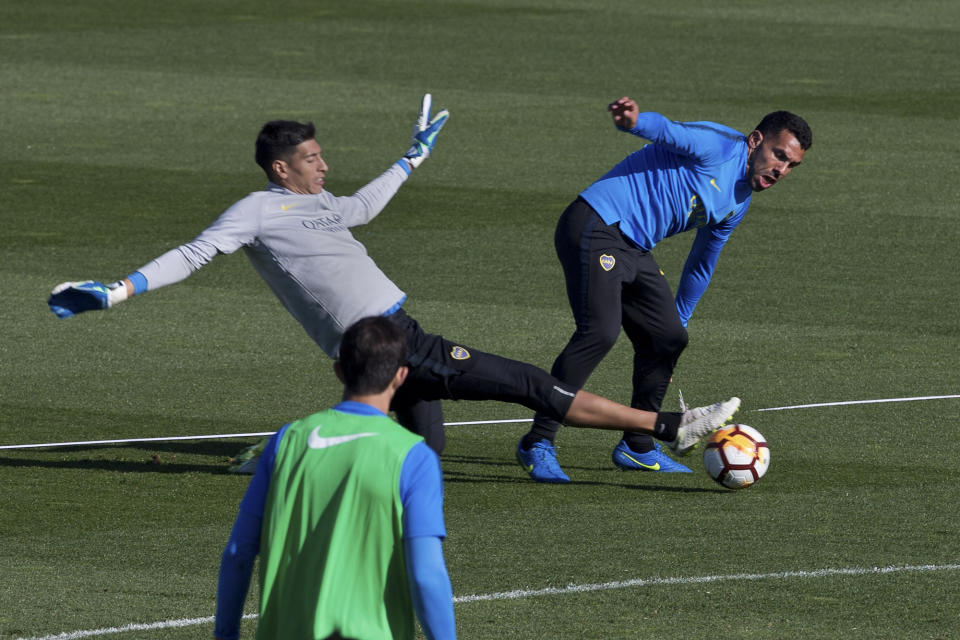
775 122
278 139
371 351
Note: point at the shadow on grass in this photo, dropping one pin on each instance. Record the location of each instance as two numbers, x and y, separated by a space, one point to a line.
488 461
457 475
156 457
123 466
161 458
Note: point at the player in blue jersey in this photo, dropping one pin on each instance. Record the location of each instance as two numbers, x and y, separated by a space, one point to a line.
695 176
334 498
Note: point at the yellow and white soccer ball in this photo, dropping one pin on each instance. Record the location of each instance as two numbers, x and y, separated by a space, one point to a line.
736 456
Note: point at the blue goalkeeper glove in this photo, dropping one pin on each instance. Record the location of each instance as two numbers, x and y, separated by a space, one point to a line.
425 132
71 298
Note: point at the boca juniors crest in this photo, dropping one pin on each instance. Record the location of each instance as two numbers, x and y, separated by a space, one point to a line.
607 262
459 353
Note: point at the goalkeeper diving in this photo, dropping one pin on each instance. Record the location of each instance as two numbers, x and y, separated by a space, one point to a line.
297 236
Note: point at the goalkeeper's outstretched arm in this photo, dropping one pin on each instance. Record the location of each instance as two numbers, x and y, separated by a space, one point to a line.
70 298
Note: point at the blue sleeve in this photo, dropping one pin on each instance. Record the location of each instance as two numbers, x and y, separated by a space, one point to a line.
421 492
236 568
430 586
706 142
698 270
236 562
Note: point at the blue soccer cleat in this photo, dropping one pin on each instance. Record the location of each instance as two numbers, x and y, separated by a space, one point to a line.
540 461
655 460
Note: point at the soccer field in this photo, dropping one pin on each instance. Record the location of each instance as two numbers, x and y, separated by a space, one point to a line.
127 127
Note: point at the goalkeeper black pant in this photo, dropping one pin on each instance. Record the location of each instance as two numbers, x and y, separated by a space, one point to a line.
444 370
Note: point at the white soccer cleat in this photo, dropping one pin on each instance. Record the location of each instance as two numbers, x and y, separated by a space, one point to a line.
699 422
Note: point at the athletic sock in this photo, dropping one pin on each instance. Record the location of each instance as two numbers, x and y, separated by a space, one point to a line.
638 442
536 434
667 425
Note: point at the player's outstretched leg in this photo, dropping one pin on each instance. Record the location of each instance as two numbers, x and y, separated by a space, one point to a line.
654 460
699 422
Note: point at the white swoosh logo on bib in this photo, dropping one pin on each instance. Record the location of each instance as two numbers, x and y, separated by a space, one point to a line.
318 442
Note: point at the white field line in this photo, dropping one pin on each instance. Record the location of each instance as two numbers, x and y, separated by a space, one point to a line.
850 402
656 582
224 436
550 591
166 624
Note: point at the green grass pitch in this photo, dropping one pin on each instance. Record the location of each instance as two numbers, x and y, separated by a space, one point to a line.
125 128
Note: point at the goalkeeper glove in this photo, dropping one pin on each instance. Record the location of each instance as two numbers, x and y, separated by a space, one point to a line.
71 298
425 132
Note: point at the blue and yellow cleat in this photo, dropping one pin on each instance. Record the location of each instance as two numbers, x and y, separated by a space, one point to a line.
540 461
655 460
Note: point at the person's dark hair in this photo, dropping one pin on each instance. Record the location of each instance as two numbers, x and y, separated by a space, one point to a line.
278 139
774 123
371 351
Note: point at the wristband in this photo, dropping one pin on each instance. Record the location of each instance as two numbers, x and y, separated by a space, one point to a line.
139 282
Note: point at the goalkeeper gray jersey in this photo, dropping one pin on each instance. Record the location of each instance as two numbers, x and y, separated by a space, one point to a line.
302 247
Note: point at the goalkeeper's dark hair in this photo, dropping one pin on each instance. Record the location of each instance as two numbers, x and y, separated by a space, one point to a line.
371 351
278 139
775 122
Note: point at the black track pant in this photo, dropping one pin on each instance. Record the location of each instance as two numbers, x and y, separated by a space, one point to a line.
441 369
611 283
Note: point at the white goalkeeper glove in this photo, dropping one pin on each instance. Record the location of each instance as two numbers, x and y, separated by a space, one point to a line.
70 298
425 132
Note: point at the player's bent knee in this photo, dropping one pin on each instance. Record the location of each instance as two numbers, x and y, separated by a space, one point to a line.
674 343
598 342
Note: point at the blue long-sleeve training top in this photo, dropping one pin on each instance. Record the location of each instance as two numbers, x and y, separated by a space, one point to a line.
691 177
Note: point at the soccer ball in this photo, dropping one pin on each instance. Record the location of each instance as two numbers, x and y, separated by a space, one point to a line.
736 456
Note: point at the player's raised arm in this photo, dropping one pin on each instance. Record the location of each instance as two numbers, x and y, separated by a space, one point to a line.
364 205
425 132
624 112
